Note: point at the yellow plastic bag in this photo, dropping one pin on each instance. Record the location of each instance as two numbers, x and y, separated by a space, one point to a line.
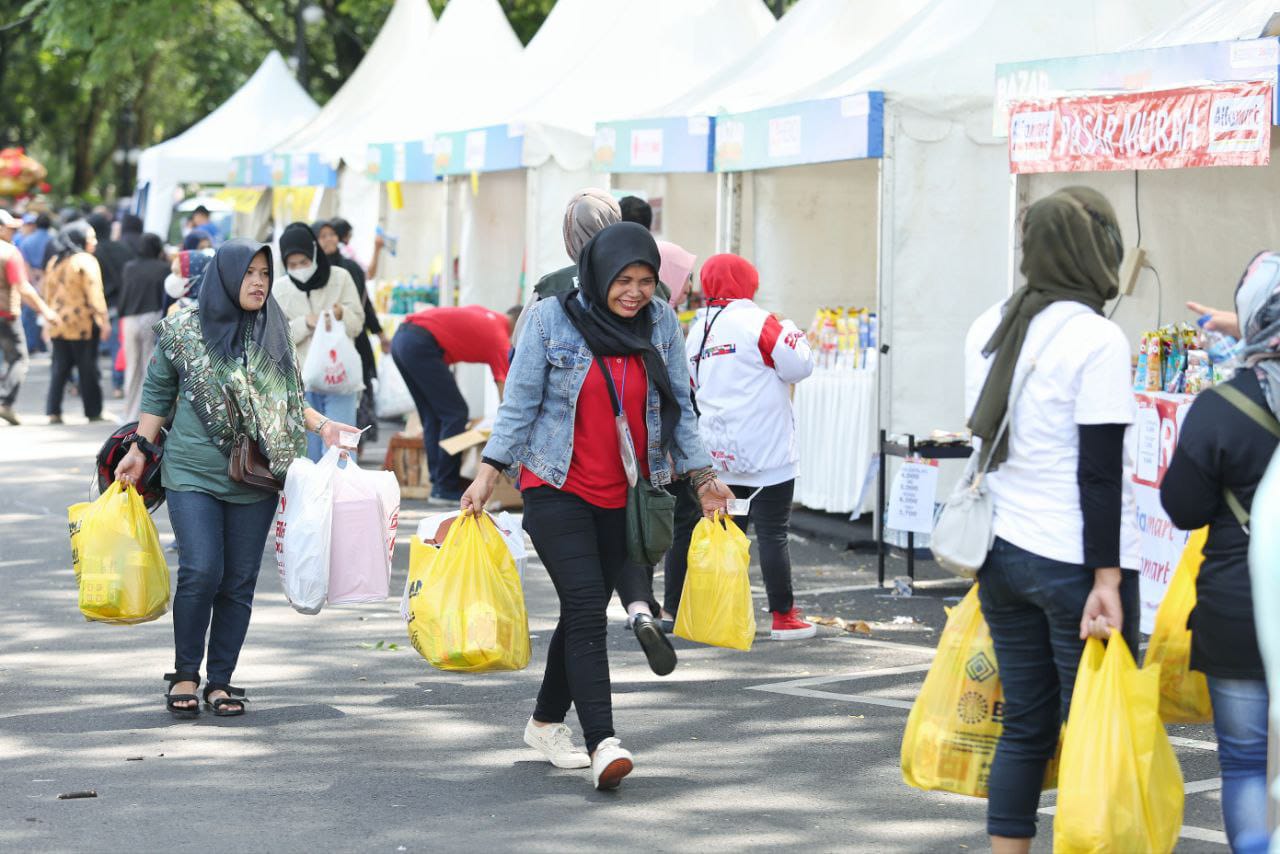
1184 693
116 555
467 613
715 606
957 718
1119 787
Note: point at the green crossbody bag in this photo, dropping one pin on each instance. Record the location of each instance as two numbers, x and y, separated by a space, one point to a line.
650 511
1264 419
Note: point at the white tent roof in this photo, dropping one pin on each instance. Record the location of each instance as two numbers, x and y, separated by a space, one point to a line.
201 152
1214 21
942 62
471 53
396 64
577 71
814 39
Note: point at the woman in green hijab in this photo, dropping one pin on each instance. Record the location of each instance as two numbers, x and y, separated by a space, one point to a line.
234 342
1049 361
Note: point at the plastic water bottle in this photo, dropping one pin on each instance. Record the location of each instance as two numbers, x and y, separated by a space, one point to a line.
1223 350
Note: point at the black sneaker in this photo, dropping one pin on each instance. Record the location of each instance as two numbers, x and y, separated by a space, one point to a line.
661 655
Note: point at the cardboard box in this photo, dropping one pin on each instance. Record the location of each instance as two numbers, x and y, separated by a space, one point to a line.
469 444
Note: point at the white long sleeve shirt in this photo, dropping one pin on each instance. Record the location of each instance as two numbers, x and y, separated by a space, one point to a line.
742 361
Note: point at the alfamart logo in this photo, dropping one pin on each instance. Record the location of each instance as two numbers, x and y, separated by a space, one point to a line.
980 668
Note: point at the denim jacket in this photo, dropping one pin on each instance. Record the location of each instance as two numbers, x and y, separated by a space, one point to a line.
535 423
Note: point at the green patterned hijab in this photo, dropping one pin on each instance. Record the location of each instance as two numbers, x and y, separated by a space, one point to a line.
217 345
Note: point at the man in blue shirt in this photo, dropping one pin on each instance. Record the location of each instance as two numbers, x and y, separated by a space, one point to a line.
37 230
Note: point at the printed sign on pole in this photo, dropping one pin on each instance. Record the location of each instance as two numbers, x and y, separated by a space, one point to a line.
912 496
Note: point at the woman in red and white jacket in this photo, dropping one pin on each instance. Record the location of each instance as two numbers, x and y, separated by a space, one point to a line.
742 362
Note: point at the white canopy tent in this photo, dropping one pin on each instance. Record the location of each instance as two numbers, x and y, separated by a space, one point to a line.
470 55
270 100
574 72
812 40
941 190
1185 212
355 115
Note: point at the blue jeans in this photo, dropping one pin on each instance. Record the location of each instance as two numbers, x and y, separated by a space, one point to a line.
440 405
31 328
220 548
1240 721
337 407
1032 605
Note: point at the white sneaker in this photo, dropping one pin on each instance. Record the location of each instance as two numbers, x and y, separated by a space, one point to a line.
609 764
554 741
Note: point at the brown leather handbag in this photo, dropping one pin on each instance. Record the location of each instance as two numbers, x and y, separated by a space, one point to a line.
247 464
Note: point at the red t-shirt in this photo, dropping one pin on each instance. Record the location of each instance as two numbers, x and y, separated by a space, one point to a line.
469 333
595 472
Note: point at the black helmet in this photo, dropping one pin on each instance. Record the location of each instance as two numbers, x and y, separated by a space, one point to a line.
113 451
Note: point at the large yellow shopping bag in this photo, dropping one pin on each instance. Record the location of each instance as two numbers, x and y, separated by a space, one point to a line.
715 605
468 612
117 559
1184 693
956 720
954 723
1119 786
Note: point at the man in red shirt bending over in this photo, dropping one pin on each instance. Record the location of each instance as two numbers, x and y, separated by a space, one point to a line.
423 348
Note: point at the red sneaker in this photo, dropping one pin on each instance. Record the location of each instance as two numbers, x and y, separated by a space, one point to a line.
790 625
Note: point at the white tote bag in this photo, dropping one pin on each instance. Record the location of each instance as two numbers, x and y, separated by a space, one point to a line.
304 522
391 397
332 365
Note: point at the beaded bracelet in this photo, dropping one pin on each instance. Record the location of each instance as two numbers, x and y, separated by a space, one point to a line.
701 477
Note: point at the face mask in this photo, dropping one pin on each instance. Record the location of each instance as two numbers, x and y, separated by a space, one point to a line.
303 274
175 286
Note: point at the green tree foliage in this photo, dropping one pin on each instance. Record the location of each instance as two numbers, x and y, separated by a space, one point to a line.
82 79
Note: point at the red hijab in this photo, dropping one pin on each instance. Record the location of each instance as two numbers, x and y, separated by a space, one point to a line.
728 277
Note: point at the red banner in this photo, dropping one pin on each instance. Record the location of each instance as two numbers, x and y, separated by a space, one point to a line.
1218 125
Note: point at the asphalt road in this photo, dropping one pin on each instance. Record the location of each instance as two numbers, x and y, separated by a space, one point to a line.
348 747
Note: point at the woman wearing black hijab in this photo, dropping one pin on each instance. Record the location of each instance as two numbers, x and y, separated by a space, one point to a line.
310 287
234 340
327 236
608 338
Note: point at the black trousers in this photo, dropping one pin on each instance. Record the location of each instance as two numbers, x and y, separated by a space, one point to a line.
584 549
440 405
771 515
13 347
83 357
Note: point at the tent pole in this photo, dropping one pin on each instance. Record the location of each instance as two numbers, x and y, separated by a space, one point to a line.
720 241
1017 199
446 290
735 213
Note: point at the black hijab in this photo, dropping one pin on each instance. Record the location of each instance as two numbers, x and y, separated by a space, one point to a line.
298 238
222 320
604 257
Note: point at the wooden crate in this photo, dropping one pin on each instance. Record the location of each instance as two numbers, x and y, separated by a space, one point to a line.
407 460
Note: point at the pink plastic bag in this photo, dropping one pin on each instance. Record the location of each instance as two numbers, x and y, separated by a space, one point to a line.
366 510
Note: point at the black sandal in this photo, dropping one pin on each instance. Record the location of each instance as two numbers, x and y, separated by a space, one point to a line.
170 698
219 705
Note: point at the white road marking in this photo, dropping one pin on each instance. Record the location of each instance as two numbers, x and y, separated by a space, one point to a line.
1198 744
1200 834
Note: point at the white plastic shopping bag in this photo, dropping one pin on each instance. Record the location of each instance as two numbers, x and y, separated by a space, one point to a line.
366 513
391 397
332 365
303 527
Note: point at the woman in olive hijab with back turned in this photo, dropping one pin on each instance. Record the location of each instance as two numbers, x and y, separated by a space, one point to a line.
1052 577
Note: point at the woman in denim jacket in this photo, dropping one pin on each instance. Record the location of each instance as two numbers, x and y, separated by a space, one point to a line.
558 422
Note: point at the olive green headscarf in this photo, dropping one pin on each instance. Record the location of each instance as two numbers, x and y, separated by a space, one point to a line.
1071 251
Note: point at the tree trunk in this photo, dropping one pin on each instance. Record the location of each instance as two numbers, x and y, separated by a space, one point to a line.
84 170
